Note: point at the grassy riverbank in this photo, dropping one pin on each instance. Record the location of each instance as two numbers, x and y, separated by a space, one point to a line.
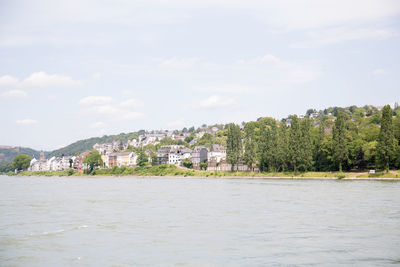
173 171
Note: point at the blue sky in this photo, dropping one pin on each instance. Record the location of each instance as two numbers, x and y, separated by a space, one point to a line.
75 69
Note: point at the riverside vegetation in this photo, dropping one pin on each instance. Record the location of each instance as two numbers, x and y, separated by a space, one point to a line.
348 139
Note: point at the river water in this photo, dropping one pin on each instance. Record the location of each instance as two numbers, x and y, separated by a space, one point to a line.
198 222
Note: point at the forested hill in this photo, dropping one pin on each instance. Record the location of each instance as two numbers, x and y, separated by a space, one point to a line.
7 153
87 144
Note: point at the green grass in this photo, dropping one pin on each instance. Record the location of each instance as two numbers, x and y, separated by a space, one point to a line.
382 174
171 170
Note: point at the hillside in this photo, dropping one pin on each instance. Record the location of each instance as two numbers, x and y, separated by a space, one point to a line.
87 144
7 153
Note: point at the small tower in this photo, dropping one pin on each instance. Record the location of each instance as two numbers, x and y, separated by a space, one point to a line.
42 156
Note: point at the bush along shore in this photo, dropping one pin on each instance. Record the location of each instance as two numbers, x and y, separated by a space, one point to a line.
174 171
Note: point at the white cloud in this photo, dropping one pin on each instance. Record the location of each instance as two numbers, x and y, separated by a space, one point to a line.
179 63
26 122
107 108
379 72
98 124
338 35
311 14
96 100
130 103
8 81
43 80
216 101
140 16
13 94
39 80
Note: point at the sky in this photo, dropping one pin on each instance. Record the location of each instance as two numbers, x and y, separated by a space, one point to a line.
71 70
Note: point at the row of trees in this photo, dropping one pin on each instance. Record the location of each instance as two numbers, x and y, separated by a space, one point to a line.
344 142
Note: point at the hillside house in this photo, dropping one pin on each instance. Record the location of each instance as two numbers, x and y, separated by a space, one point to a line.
126 159
199 155
217 152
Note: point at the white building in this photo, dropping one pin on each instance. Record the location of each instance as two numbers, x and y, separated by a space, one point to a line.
126 159
217 153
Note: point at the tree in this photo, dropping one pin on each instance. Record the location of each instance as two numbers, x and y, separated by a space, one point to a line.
282 152
294 144
70 163
250 152
318 155
154 159
310 111
8 167
270 147
386 141
120 146
189 138
234 145
21 162
340 147
204 165
93 160
142 159
187 163
306 144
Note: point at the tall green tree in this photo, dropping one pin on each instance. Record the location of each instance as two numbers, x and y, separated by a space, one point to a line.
318 156
21 162
250 145
306 148
294 144
93 160
271 151
234 145
142 159
340 147
386 141
282 152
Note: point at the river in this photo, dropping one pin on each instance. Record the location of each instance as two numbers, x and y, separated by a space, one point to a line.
198 222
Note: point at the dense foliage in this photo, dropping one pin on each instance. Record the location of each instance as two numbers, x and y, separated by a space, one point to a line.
21 162
334 139
93 160
8 167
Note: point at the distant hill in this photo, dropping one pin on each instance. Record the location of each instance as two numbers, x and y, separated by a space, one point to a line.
87 144
7 153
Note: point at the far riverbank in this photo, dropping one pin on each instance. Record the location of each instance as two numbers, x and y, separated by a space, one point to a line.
173 171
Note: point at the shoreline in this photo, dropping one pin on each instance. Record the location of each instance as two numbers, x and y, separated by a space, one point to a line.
218 177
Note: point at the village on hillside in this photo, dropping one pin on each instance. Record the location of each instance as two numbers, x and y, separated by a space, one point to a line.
118 153
259 144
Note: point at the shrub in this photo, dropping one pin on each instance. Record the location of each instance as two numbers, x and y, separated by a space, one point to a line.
340 175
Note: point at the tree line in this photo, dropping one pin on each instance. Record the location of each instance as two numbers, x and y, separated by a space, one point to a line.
347 139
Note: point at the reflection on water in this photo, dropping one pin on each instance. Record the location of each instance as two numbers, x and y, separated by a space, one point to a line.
198 222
